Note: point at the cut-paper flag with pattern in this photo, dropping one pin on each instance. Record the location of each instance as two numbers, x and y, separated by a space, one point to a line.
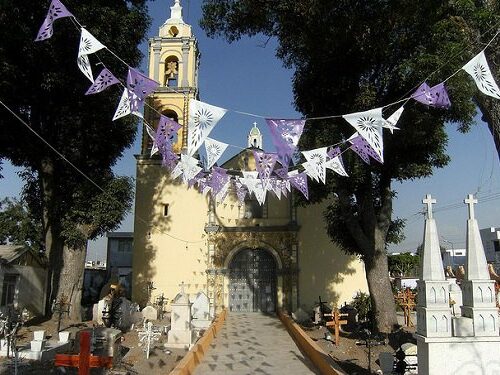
152 136
123 108
480 71
335 162
214 150
265 163
165 133
435 96
102 82
390 123
202 119
285 135
369 126
88 45
139 87
56 10
299 181
316 160
363 149
187 167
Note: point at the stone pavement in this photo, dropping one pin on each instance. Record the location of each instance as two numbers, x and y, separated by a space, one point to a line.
254 343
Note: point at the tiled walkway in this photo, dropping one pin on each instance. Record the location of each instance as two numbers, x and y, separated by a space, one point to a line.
254 343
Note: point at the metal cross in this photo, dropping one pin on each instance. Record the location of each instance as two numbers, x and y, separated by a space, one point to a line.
429 202
147 337
470 201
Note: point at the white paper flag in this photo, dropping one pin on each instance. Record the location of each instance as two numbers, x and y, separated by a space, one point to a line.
202 119
152 135
393 119
188 167
214 150
369 126
479 69
88 45
123 108
316 160
336 165
310 170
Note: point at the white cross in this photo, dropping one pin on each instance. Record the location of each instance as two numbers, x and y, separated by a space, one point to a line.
147 337
429 202
470 201
182 287
255 124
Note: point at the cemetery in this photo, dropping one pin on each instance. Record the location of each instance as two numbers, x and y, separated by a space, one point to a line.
237 242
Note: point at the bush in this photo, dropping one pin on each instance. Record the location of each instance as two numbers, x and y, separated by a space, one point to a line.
363 304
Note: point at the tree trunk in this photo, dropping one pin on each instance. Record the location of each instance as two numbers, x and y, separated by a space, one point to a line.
71 280
377 276
53 246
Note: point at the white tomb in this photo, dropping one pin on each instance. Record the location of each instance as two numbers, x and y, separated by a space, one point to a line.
200 311
150 313
472 346
180 334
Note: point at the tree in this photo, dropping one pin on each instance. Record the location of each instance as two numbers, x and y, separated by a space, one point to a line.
351 56
41 82
403 264
18 226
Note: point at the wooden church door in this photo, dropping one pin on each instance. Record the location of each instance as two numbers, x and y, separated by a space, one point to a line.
252 281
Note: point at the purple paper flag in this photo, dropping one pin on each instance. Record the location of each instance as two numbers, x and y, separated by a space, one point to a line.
241 192
334 151
299 181
361 147
282 172
102 82
165 132
170 159
56 10
218 180
285 135
141 86
264 163
435 96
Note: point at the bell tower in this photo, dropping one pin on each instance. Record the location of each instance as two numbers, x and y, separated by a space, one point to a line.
173 62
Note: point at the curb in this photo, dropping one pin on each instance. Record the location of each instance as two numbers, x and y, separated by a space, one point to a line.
193 358
317 356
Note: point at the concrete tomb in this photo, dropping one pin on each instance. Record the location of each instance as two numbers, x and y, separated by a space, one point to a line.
200 311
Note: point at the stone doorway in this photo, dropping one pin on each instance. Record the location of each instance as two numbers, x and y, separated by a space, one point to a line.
252 281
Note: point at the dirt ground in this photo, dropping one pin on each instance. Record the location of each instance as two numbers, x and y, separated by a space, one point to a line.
351 357
133 361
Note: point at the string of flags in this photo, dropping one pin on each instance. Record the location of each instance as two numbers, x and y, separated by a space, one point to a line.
273 173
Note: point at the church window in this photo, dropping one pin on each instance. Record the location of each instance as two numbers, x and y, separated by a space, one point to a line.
171 71
173 31
165 209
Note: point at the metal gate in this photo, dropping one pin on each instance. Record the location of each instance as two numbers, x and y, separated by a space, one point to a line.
252 281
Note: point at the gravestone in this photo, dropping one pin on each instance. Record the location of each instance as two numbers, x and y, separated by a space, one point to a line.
200 311
180 334
149 313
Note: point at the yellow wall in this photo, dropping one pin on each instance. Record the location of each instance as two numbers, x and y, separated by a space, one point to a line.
325 270
158 256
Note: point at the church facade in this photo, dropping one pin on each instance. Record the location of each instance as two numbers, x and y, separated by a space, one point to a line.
246 257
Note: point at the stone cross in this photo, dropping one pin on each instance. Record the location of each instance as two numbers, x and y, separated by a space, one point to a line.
182 287
470 201
255 124
429 202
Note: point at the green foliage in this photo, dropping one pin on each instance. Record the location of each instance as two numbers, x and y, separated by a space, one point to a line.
404 264
41 82
18 226
363 304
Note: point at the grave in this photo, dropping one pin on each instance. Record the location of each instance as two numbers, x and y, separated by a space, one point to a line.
467 344
149 313
200 312
40 349
180 334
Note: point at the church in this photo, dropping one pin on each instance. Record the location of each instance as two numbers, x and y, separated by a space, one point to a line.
243 256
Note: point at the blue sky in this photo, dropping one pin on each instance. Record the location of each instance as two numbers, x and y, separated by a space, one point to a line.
245 76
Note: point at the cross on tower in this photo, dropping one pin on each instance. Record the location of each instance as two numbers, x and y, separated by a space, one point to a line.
429 202
470 201
255 124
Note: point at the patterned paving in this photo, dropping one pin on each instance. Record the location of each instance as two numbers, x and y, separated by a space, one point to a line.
254 343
